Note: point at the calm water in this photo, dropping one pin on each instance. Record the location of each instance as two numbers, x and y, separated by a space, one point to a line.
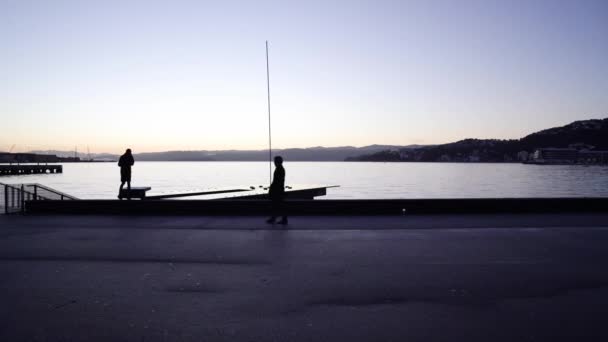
356 180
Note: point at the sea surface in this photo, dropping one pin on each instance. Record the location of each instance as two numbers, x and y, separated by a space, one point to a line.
355 179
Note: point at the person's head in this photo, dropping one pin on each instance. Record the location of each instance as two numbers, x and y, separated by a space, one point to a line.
278 161
128 151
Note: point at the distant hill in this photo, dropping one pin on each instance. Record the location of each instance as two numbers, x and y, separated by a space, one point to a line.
318 153
590 134
291 154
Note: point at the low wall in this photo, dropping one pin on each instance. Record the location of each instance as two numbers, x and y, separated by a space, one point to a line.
319 207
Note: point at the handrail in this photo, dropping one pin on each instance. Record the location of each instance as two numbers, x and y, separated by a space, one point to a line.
15 195
18 188
38 185
56 192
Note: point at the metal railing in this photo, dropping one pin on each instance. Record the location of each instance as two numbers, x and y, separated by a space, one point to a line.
14 196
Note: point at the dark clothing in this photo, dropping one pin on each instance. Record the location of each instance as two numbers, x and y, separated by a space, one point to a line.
125 162
277 188
276 192
125 174
277 208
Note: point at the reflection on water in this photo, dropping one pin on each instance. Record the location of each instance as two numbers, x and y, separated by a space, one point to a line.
356 180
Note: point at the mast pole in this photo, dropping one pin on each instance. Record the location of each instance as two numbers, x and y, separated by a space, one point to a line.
269 127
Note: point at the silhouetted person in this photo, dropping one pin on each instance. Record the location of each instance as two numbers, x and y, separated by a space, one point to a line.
276 192
125 162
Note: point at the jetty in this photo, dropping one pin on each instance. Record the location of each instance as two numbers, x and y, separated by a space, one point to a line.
29 169
37 198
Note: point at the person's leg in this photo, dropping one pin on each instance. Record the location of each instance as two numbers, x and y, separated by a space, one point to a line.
122 184
129 189
273 211
281 210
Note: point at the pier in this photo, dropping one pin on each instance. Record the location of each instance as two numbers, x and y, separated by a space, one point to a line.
29 169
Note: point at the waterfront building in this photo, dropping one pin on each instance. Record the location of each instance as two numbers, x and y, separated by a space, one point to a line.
34 158
592 157
523 155
568 156
555 156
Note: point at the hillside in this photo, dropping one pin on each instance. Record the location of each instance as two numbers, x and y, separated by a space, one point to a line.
592 134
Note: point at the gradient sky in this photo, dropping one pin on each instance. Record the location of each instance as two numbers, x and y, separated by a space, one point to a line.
166 75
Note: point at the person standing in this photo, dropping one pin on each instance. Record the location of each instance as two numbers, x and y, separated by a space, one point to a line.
125 162
276 192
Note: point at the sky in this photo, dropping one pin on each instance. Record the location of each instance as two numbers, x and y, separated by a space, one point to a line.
191 75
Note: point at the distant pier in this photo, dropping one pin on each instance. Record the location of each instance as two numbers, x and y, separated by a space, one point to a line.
8 170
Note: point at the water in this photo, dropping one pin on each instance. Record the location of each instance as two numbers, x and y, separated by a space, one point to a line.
356 180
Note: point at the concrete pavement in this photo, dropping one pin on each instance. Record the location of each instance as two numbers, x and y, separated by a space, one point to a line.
431 278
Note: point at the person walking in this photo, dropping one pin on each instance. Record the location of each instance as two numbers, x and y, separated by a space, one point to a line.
125 162
276 192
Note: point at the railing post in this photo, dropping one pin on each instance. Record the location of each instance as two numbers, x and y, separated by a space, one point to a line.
5 199
22 198
35 192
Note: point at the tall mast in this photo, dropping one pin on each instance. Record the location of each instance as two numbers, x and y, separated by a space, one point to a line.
269 127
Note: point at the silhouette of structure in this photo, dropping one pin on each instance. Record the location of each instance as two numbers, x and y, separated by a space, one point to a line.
276 192
125 162
7 170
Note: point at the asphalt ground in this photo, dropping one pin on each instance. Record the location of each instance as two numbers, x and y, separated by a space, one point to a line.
411 278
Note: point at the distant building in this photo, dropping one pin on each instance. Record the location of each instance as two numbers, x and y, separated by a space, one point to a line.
523 155
568 156
474 157
592 157
33 158
581 146
555 156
